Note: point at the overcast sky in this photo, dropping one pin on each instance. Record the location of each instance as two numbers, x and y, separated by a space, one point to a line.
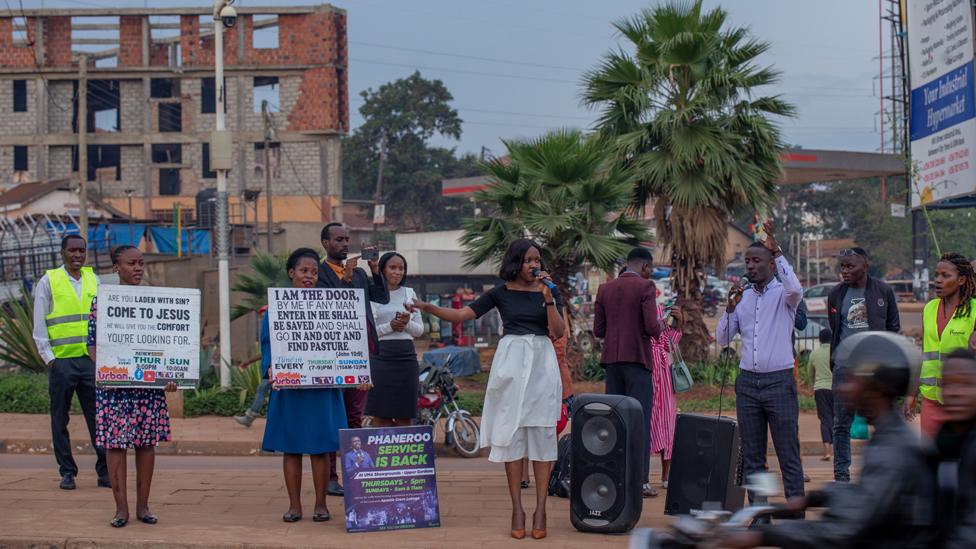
514 66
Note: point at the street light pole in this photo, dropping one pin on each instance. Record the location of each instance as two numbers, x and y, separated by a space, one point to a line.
223 248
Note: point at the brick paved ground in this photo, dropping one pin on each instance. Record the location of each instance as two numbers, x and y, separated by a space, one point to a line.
238 502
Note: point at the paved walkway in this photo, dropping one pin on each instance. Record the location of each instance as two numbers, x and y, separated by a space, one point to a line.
237 502
219 436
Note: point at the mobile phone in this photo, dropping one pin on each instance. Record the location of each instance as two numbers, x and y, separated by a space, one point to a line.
369 254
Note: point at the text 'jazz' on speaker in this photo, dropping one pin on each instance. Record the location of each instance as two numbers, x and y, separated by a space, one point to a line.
606 464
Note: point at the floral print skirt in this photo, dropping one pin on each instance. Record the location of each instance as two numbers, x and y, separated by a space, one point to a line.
130 418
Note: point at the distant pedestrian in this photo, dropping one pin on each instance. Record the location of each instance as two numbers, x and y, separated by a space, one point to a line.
764 314
858 304
626 317
62 303
302 421
823 394
129 417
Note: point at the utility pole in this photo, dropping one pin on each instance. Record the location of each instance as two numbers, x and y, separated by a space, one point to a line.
83 144
268 134
379 190
223 246
132 238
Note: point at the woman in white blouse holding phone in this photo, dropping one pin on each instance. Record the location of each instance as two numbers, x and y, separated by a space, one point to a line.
393 400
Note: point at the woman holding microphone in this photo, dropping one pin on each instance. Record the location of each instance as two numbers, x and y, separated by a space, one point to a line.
522 401
129 417
302 421
393 400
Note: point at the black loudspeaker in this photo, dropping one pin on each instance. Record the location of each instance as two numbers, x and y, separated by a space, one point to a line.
704 465
607 467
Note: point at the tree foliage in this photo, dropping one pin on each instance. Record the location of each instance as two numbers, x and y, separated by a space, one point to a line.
17 347
563 191
269 272
679 104
406 114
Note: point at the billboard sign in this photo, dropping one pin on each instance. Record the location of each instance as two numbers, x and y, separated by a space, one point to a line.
943 115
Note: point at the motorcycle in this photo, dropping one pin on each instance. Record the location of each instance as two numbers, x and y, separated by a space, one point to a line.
438 399
710 304
701 529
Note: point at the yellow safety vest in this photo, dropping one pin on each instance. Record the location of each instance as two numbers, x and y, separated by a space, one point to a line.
955 335
67 323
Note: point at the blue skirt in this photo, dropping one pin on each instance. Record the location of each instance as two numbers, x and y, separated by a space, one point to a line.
304 421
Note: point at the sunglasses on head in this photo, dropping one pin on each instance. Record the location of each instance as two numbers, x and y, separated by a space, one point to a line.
848 252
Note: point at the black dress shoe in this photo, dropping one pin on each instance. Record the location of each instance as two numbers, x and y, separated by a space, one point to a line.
67 482
335 489
148 519
119 522
104 482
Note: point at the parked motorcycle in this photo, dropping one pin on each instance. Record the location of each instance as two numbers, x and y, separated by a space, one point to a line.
438 399
710 302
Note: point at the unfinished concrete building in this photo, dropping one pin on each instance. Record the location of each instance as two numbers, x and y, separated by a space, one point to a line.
151 99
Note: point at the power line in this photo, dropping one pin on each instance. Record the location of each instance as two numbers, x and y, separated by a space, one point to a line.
473 57
478 20
461 71
37 66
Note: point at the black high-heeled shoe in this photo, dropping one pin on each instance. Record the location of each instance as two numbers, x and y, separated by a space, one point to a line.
148 519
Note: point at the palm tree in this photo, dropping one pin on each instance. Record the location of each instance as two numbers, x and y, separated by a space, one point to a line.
680 109
561 190
269 272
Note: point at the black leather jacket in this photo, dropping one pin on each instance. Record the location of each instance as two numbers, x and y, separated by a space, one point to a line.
890 506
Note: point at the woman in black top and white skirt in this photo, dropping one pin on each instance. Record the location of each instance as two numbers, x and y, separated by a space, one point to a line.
393 400
522 401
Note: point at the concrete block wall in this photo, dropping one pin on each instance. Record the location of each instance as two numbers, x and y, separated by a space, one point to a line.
18 123
60 109
133 104
133 162
59 161
288 92
7 163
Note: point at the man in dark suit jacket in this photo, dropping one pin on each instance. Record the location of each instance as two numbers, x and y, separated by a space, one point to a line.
337 271
626 319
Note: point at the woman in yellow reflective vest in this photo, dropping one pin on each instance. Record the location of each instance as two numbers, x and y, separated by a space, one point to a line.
947 324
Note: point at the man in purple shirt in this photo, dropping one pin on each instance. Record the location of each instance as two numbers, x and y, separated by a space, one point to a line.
766 398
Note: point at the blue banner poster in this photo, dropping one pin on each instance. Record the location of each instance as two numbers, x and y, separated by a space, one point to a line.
389 479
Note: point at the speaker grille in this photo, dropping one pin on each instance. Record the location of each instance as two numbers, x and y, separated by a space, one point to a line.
599 436
598 492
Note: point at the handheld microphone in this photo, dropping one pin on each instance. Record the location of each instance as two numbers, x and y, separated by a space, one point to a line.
546 281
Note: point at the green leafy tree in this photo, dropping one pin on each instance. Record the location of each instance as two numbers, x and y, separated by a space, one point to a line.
405 115
563 191
680 107
269 272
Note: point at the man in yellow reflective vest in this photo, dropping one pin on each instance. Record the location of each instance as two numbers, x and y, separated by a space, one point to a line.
947 325
62 303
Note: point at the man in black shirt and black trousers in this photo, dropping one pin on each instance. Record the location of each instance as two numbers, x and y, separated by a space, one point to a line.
339 272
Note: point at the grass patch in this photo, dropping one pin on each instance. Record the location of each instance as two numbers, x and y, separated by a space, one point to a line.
472 401
26 393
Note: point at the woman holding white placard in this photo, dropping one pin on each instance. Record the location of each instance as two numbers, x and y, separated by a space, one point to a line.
302 421
129 417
